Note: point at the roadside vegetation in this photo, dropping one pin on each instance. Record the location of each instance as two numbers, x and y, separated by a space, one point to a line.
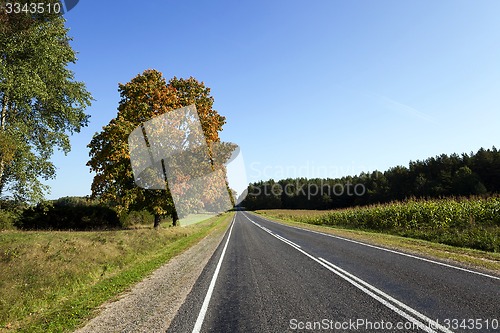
147 96
60 259
475 259
461 222
449 199
473 174
53 280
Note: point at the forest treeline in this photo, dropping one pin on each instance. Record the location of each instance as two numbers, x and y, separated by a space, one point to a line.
436 177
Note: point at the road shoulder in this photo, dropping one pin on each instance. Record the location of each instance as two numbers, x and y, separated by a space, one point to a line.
152 303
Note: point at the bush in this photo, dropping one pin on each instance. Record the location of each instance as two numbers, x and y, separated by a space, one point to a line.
7 220
136 218
10 211
69 214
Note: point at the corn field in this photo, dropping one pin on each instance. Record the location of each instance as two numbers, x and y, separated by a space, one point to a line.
473 223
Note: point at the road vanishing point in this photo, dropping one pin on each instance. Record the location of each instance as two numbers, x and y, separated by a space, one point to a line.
270 277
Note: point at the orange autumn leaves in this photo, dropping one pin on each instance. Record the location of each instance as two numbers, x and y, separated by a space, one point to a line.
146 96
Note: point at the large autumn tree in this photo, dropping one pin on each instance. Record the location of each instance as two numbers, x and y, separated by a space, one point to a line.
40 102
146 96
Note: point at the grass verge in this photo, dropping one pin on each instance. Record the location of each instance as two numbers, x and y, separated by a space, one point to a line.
462 222
55 281
475 259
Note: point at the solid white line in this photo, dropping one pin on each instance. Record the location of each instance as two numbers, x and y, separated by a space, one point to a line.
389 250
388 297
400 312
349 278
204 307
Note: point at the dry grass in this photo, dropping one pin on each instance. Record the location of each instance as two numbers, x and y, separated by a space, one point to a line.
44 274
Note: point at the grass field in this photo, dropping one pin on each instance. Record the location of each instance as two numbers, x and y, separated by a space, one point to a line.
52 281
473 223
194 218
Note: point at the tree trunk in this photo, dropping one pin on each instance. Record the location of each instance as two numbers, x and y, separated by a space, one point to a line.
175 218
157 221
3 125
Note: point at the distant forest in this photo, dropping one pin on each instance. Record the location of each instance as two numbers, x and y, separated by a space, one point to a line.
435 177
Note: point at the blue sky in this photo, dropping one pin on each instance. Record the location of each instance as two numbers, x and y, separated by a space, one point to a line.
309 88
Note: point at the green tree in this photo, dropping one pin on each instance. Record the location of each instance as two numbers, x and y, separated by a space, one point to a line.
144 97
40 102
466 182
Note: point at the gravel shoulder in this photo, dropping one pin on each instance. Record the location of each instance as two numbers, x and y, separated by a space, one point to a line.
152 304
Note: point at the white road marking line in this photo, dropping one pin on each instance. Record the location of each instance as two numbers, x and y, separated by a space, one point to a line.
389 250
272 233
361 285
431 322
265 228
287 241
206 301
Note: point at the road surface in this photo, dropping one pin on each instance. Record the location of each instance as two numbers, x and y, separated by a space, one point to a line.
269 277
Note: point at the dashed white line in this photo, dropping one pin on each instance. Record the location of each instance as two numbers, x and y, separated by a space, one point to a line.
287 241
389 250
425 323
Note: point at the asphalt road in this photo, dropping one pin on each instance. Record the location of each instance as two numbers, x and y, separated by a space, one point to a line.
268 277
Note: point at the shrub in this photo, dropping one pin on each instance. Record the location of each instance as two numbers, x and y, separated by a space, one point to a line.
136 218
10 211
69 214
7 219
